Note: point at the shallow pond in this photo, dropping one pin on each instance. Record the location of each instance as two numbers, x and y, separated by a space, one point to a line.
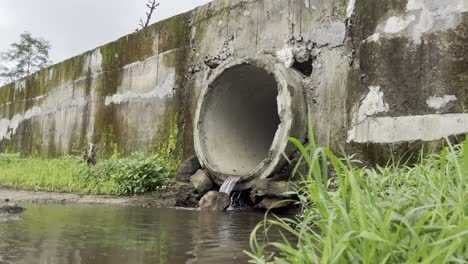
103 234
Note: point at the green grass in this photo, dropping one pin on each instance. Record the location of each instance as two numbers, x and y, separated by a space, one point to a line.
392 214
135 174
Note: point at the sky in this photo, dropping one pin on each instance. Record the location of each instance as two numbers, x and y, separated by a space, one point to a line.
75 26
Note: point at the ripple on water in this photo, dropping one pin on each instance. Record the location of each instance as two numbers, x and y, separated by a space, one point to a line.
104 234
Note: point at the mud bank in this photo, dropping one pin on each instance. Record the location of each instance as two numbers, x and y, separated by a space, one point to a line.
179 195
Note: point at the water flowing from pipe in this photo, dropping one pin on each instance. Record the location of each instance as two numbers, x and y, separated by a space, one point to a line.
228 185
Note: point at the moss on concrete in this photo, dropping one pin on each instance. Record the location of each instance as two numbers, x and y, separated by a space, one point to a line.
174 33
129 49
110 130
167 143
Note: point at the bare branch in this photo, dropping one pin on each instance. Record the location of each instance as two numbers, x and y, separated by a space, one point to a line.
151 5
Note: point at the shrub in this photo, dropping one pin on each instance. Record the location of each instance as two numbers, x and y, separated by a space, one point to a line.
135 174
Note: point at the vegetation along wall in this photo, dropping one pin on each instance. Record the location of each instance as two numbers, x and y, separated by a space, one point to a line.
373 73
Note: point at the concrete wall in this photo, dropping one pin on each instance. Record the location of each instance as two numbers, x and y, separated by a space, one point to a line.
375 73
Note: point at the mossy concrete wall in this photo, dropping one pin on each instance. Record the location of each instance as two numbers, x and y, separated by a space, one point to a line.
374 73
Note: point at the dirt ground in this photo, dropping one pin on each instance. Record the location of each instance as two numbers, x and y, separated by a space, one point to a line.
179 195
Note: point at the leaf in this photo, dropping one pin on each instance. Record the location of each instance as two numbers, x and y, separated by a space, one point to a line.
371 236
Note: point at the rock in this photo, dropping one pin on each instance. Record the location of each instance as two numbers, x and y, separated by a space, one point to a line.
179 195
215 201
187 169
301 54
201 181
186 196
272 203
11 208
277 189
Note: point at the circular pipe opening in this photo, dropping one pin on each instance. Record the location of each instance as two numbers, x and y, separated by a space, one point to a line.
244 118
240 119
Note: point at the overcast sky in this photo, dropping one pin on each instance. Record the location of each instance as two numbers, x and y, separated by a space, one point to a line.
75 26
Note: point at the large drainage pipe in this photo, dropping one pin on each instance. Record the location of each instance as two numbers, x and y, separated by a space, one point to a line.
244 118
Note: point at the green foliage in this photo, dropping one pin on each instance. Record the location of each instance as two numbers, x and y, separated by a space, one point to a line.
25 57
133 175
392 214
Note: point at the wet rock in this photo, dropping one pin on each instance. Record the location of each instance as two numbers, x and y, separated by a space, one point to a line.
272 203
189 167
181 195
201 181
277 189
215 201
11 208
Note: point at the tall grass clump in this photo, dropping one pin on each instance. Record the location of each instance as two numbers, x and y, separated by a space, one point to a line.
394 214
116 176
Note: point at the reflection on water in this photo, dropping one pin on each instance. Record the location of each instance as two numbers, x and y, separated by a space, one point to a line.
99 234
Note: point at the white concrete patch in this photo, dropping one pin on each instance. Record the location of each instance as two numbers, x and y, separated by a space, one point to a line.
423 17
409 128
162 91
35 111
306 2
74 103
9 127
4 125
34 99
373 38
285 55
437 103
350 8
15 122
93 62
372 104
51 73
396 24
19 85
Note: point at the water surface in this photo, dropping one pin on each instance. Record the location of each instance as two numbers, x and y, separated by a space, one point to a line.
103 234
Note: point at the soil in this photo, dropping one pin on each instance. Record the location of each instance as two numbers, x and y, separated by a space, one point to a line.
178 195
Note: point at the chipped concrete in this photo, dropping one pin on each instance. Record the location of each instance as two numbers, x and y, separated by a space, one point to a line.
286 55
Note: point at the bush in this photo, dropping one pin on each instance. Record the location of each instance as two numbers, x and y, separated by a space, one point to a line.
133 175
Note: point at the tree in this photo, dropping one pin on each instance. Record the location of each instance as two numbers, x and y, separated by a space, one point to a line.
23 58
152 5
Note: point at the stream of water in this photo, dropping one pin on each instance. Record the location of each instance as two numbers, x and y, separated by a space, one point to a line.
104 234
228 185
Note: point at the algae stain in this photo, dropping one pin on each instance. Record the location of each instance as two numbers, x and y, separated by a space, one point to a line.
166 142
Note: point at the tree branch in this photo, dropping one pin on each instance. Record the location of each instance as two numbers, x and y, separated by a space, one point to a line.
152 5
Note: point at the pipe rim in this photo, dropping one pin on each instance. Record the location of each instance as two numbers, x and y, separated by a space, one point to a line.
279 143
